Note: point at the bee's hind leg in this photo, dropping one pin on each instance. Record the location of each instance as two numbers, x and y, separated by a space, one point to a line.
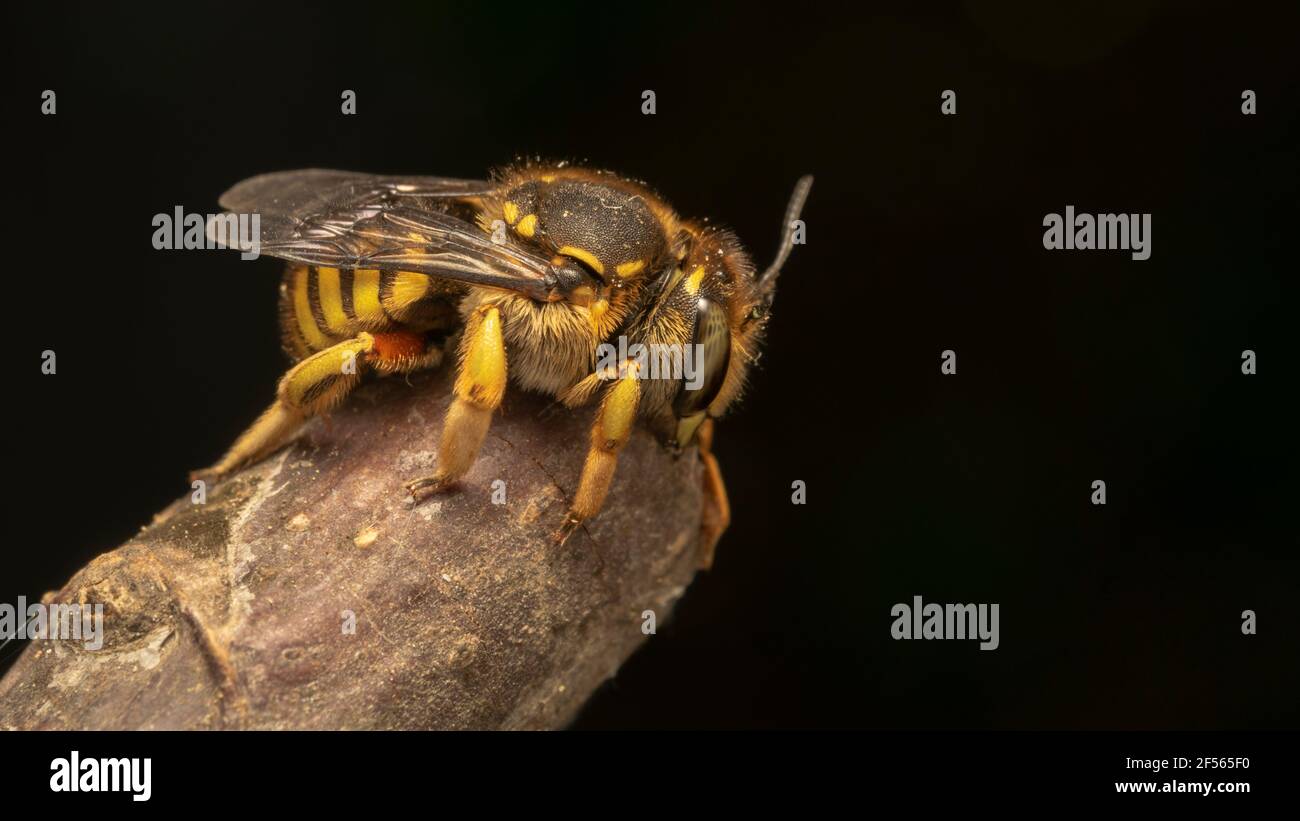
317 384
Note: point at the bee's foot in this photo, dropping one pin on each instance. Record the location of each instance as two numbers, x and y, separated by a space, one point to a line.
571 523
427 486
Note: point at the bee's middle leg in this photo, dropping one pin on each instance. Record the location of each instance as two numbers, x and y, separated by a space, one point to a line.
480 386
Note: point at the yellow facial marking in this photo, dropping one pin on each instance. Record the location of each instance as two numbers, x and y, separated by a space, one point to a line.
584 255
686 428
527 226
511 212
627 269
693 283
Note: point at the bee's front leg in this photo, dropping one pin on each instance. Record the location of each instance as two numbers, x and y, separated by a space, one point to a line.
609 434
480 386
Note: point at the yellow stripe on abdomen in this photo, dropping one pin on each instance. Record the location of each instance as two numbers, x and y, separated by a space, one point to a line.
406 289
302 312
365 296
331 300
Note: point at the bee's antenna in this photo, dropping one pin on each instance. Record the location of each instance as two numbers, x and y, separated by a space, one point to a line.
767 281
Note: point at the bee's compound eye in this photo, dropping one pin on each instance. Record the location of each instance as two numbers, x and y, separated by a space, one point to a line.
711 344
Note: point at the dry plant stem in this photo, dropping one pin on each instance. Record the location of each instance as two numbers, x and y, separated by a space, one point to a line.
234 613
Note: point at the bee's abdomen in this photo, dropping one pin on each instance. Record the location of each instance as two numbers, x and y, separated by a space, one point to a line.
321 306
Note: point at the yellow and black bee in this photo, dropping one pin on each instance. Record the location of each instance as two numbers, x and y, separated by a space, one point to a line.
537 268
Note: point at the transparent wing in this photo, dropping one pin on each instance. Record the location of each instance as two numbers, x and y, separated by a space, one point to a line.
344 219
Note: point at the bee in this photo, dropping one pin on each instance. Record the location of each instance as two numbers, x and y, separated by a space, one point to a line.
530 275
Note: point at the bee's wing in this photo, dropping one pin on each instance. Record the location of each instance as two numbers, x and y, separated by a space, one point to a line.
348 220
313 190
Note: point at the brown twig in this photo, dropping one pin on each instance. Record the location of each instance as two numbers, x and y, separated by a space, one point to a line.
236 612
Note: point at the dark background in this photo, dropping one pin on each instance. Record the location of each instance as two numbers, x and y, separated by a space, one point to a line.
924 233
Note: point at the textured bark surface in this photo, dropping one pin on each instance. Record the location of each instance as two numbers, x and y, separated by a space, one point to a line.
231 614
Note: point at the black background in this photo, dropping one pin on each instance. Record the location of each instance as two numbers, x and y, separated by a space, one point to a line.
924 233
